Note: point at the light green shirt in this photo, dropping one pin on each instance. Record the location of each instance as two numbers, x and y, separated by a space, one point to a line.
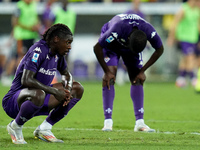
66 17
28 17
187 30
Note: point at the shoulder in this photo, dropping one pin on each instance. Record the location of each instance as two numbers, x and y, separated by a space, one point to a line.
40 48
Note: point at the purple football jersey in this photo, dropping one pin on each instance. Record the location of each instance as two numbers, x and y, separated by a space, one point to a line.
139 13
118 29
39 60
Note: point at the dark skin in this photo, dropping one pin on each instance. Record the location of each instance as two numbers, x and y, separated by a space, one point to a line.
35 91
136 76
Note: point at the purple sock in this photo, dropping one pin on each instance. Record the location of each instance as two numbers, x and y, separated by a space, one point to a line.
60 112
108 98
137 95
182 73
191 74
26 112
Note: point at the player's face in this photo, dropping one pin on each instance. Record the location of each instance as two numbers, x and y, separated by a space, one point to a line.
64 45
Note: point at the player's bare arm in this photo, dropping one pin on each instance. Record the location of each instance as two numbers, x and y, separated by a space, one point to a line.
154 57
98 50
67 81
29 81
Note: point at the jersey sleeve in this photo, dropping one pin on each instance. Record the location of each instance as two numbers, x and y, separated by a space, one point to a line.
34 59
153 37
108 37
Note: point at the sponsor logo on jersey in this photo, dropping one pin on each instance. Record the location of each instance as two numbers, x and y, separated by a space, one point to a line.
50 72
37 49
106 59
153 34
35 57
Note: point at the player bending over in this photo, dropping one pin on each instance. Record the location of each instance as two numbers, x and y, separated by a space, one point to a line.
126 35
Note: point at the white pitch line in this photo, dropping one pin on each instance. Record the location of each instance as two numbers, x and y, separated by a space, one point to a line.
79 129
174 121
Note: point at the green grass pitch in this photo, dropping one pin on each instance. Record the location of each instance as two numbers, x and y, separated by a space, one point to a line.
173 112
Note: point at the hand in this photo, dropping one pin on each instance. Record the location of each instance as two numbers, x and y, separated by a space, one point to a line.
108 79
139 79
63 95
35 27
68 98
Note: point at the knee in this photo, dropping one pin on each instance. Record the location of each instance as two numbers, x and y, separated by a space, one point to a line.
38 97
77 90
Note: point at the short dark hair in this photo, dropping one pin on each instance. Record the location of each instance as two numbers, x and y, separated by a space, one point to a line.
59 30
137 41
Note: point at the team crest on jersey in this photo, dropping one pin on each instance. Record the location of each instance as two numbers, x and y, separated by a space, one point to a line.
37 49
106 59
35 57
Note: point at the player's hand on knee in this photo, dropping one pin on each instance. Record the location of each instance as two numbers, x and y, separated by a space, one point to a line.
67 98
108 79
61 95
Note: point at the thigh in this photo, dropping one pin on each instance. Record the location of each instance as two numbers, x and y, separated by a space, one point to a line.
133 64
36 96
111 58
132 60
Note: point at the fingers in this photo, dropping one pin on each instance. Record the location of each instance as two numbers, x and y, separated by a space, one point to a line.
65 103
67 100
111 82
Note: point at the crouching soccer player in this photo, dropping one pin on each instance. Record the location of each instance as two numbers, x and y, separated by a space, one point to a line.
32 94
126 35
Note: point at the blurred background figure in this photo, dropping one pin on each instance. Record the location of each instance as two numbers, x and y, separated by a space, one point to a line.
185 30
26 25
25 28
48 17
60 14
136 9
7 59
65 15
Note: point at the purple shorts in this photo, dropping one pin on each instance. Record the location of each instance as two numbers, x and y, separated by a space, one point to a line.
11 107
188 48
130 60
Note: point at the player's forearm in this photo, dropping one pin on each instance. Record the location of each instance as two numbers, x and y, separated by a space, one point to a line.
35 84
155 56
98 50
29 81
